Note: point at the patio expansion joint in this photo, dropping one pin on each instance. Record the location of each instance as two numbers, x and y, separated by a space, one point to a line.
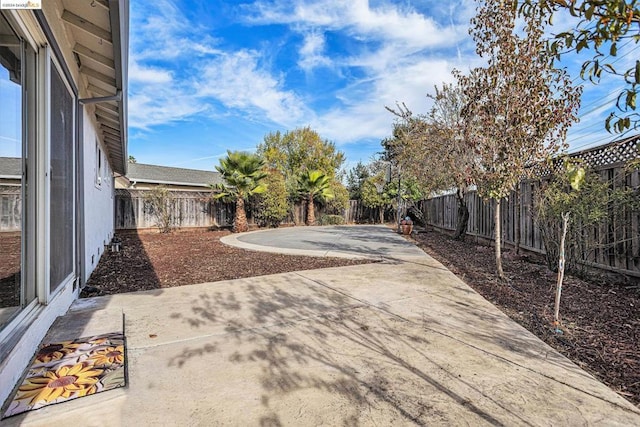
256 330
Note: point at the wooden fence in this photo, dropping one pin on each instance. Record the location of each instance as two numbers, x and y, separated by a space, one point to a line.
616 241
190 209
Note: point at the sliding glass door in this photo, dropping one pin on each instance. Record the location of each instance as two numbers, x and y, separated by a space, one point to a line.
62 182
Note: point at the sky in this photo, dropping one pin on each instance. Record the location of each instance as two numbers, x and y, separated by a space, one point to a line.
206 76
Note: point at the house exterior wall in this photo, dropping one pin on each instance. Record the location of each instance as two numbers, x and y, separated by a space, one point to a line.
93 206
98 198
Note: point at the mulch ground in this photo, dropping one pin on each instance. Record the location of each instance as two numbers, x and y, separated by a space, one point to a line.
152 260
600 315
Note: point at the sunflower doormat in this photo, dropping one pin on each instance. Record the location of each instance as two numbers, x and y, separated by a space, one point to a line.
70 369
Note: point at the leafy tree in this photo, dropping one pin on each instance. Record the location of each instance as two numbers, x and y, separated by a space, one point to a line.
377 194
273 206
132 159
569 206
518 108
340 200
435 150
298 151
243 174
355 177
314 185
160 204
603 25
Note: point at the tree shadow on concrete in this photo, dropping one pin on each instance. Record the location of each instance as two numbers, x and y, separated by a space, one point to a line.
373 361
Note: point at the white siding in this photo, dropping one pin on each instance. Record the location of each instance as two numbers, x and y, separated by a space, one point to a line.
98 200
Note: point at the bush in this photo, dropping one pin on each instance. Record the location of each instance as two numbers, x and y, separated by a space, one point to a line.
160 205
272 206
331 220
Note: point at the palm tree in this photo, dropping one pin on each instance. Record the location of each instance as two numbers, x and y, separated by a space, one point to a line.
314 185
242 174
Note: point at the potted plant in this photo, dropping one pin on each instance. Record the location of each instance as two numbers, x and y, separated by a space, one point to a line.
407 226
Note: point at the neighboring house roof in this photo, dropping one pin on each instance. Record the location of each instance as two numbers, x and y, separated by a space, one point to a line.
10 168
171 176
100 31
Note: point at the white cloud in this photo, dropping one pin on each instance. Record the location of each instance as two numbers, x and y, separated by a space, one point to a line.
363 113
148 75
312 52
387 22
237 80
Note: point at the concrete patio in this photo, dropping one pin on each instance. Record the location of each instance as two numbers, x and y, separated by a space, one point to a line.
400 342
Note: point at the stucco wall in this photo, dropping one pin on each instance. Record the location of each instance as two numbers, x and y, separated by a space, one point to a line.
98 200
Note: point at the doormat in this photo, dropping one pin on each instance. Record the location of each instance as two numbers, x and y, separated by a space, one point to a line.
67 370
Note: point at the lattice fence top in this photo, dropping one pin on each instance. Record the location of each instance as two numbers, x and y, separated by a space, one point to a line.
610 154
613 153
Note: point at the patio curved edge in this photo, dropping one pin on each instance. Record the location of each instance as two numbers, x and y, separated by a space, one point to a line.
233 241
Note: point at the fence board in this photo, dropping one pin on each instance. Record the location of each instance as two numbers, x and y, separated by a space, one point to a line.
616 239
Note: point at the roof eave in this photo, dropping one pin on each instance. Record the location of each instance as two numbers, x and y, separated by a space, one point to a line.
119 18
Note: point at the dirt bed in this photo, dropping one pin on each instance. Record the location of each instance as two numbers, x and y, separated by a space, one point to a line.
152 260
600 316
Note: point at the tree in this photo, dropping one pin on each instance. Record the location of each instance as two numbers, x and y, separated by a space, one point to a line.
273 206
299 151
518 109
243 174
355 178
340 200
314 185
602 25
376 194
132 159
435 150
160 204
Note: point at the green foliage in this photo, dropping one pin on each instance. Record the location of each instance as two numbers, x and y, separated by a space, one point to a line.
315 185
331 220
340 200
242 174
590 200
273 206
355 177
602 25
376 193
295 152
160 203
132 159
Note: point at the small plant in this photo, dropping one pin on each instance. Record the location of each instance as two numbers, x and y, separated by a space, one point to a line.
160 203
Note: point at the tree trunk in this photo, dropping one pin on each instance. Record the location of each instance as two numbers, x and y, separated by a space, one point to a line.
240 224
556 310
381 214
311 215
498 239
463 217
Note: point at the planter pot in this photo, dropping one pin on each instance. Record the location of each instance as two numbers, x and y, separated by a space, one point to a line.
407 228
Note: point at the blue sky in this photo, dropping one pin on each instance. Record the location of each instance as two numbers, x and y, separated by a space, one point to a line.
208 75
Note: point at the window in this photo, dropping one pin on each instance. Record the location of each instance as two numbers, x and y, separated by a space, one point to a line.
17 71
99 167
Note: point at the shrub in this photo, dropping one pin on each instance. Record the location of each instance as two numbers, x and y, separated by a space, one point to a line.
272 206
160 204
331 220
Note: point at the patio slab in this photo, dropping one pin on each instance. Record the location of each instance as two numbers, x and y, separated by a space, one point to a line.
402 342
